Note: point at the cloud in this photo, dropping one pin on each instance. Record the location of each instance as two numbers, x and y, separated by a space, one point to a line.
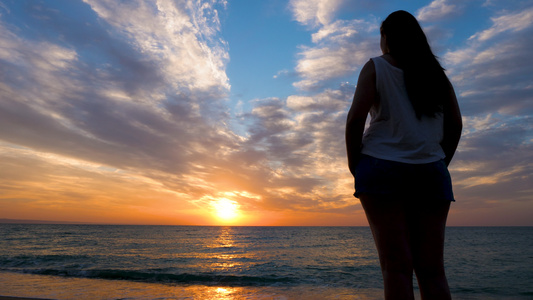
513 22
314 12
494 160
280 73
436 10
329 100
178 34
491 74
339 49
486 72
302 140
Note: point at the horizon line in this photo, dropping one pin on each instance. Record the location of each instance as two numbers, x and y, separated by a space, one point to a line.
56 222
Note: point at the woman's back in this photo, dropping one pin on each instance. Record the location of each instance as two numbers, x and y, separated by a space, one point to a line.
395 132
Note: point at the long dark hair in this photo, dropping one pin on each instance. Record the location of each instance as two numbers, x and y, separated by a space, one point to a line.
425 79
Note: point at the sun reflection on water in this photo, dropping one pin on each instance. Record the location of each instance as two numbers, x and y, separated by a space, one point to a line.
225 239
224 253
223 293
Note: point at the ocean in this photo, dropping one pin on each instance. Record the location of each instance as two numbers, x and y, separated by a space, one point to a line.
208 262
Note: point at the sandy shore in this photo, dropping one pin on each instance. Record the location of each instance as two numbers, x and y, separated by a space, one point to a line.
19 298
45 287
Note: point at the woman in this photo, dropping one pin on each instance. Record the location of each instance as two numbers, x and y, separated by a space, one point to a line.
400 162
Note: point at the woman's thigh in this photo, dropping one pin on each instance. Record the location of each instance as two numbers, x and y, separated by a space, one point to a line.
388 220
427 223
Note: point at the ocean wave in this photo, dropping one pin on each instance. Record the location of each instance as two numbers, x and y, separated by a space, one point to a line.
178 278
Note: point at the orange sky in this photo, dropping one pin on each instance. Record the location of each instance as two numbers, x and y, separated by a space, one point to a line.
50 187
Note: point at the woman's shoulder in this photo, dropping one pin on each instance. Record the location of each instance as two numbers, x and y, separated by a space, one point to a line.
389 59
369 69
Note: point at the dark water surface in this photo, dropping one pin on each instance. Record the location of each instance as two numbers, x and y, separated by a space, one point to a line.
248 262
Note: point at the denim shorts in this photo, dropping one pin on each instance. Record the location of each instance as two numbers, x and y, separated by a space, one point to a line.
390 178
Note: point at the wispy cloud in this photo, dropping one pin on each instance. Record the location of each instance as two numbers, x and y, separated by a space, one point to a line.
315 12
488 71
178 35
436 10
491 73
339 49
513 22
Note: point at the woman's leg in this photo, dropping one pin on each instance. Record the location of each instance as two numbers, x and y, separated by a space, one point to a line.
388 221
427 221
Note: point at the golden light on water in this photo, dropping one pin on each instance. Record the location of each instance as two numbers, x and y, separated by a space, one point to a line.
223 291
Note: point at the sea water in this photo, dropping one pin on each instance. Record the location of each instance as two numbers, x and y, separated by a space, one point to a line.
203 262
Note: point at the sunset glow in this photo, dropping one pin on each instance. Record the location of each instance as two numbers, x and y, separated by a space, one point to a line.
233 112
226 210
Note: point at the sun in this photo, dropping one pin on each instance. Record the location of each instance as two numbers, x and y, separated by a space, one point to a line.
225 209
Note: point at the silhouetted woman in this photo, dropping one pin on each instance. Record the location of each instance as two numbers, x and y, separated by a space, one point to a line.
400 162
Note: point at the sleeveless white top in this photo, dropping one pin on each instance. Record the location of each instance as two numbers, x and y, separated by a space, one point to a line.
395 133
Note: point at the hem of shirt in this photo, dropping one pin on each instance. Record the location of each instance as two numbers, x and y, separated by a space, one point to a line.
402 160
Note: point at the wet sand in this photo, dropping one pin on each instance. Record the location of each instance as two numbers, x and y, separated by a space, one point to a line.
20 298
17 286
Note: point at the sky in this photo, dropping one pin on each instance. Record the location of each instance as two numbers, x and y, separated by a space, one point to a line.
185 112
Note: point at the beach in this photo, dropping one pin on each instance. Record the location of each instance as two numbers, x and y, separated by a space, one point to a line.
19 298
46 287
32 286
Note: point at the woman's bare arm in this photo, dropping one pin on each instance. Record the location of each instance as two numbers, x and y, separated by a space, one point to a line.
365 94
453 125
